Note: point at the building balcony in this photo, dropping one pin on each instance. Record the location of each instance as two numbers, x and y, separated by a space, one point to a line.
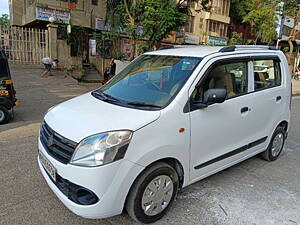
219 18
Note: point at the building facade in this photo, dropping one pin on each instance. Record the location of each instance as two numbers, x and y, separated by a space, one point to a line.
211 27
286 27
85 13
284 30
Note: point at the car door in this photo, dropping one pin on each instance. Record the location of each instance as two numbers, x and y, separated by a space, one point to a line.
220 132
270 94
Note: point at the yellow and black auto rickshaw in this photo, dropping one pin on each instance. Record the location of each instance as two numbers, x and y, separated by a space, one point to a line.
7 91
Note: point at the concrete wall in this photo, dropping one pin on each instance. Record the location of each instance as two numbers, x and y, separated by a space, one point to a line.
16 8
98 63
63 54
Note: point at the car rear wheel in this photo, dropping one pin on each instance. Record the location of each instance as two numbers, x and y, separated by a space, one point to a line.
276 145
152 193
4 115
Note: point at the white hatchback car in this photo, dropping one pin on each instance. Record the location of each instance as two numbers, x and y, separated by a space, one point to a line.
169 119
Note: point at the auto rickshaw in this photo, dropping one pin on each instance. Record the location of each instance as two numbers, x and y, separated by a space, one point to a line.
7 91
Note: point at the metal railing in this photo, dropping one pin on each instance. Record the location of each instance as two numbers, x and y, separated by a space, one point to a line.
24 45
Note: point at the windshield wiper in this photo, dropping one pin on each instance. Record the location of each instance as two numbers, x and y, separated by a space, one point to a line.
104 97
143 104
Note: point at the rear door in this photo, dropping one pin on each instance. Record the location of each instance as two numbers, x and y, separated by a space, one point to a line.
269 94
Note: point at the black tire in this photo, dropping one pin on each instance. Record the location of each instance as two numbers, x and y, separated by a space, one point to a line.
134 199
6 115
267 155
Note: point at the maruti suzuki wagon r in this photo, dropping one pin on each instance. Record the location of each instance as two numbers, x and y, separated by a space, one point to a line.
171 118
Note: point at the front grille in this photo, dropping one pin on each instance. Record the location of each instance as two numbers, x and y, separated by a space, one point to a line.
58 147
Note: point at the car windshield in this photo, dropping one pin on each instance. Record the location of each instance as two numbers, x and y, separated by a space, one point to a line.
151 81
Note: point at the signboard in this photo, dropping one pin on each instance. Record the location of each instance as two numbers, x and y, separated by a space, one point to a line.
170 38
100 24
45 13
215 41
191 39
93 47
126 47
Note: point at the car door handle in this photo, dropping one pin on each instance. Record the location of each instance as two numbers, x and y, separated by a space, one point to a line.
244 109
278 98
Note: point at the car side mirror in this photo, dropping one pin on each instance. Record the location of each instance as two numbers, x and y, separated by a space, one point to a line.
211 96
217 95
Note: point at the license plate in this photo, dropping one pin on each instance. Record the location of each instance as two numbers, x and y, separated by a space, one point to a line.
48 166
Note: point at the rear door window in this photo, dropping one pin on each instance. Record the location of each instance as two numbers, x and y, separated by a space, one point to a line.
267 74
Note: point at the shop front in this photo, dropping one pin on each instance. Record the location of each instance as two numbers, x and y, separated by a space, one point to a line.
216 41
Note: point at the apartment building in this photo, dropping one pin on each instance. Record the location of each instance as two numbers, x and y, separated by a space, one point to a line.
85 13
208 27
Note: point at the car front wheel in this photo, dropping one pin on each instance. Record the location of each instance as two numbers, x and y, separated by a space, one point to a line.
152 193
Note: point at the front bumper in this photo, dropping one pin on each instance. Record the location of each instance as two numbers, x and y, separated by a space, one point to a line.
110 183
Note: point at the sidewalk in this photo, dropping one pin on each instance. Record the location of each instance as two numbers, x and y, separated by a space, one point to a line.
296 87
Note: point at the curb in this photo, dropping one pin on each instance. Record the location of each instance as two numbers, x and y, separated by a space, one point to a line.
295 94
93 81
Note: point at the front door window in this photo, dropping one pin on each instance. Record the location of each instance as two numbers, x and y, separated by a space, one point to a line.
232 76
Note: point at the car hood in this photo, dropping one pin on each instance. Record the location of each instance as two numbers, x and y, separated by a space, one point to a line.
86 115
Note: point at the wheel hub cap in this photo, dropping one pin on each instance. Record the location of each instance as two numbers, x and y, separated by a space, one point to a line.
157 195
277 144
1 115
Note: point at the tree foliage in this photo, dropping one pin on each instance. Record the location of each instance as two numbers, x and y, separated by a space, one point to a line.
4 20
262 18
150 20
236 39
239 9
291 8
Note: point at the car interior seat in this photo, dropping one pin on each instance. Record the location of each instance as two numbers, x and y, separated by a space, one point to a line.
224 79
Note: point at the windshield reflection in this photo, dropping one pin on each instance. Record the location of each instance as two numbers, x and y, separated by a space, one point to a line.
151 81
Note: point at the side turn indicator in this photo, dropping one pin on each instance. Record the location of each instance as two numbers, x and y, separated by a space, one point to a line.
181 130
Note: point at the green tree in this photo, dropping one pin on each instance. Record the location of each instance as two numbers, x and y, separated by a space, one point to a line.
152 20
262 18
159 19
238 10
291 9
236 39
4 20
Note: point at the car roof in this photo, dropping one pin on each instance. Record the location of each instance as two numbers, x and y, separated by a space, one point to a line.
193 51
204 50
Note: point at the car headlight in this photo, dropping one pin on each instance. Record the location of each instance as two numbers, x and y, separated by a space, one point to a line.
101 149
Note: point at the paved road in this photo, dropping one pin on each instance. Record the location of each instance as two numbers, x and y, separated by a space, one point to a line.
252 192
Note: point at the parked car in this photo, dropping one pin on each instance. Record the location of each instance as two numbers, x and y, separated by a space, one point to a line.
8 98
169 119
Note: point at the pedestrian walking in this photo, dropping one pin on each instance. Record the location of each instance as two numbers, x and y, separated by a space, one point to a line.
113 67
106 74
48 63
